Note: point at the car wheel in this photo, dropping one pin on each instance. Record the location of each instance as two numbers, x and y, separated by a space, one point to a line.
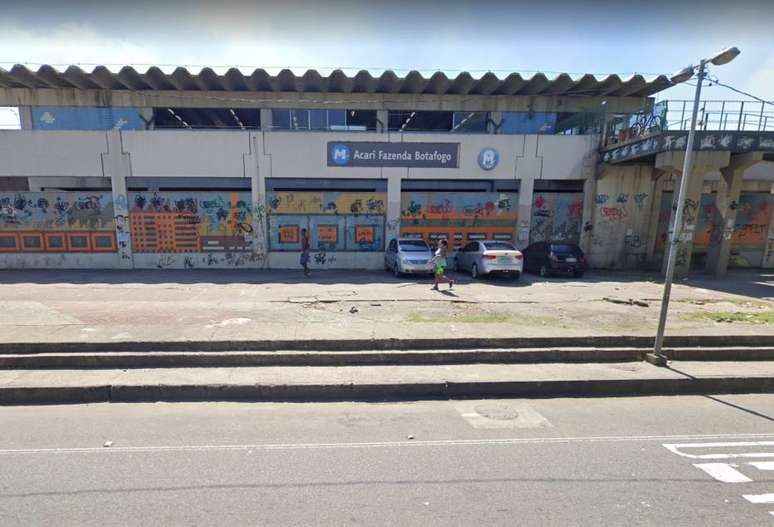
544 271
474 271
578 274
516 276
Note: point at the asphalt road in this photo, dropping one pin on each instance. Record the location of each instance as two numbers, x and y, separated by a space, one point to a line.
626 461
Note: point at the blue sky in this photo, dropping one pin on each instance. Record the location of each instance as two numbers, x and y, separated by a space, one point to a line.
591 36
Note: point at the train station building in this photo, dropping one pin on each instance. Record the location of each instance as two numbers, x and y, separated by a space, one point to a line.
155 169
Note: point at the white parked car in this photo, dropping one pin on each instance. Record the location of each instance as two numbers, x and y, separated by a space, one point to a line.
408 256
490 257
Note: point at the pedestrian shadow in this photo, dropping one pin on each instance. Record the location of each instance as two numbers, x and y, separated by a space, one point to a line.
448 292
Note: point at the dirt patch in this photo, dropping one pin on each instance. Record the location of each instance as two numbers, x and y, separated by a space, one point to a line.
761 317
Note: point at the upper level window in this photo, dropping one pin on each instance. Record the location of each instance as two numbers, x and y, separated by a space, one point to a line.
420 121
527 123
302 119
471 122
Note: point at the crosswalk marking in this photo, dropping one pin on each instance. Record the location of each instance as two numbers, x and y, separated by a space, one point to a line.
677 448
759 498
723 472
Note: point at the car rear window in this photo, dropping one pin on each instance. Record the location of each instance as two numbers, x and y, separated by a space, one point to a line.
565 249
413 246
498 246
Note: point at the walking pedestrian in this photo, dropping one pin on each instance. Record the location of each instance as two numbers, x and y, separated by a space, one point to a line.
440 265
305 252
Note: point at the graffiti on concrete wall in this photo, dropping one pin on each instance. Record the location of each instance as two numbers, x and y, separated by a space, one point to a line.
750 230
59 222
557 216
459 216
335 221
300 202
179 222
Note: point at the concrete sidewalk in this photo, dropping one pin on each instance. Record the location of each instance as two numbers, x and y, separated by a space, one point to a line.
191 305
345 383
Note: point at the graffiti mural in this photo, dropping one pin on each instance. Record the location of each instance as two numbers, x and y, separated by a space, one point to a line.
459 216
558 216
57 222
749 237
180 222
335 221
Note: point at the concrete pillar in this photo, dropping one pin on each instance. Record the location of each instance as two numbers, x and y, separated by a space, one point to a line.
727 202
259 238
768 254
25 117
146 114
495 119
394 177
116 166
659 181
382 121
529 167
267 120
672 162
589 191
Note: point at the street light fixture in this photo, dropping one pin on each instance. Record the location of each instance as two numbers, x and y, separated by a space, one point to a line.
722 57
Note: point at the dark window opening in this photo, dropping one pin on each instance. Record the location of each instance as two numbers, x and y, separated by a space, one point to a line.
341 120
471 122
408 121
207 118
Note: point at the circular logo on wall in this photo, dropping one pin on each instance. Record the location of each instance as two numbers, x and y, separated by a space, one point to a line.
340 154
488 158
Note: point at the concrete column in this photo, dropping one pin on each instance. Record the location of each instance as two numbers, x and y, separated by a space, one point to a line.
382 121
704 162
25 117
259 241
496 118
589 191
529 167
727 202
394 177
146 114
266 119
659 180
768 254
116 165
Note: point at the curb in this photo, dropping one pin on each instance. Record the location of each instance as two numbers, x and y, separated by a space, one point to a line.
172 359
382 392
607 341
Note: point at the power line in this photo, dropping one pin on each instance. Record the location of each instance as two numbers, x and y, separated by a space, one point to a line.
716 81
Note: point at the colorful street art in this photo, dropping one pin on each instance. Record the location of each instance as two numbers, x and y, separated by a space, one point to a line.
57 222
556 216
299 202
750 233
336 221
459 216
182 222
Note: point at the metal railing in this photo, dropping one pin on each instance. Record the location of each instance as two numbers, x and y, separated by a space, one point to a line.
728 116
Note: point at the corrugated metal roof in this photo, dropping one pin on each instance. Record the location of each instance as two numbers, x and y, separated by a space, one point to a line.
127 78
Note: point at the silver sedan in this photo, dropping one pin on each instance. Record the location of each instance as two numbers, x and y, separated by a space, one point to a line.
490 257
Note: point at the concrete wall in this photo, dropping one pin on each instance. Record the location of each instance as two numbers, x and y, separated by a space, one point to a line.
44 153
49 156
620 227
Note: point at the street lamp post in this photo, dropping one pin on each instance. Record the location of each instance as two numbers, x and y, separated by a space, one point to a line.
723 57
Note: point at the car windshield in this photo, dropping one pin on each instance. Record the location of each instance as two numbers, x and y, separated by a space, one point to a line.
498 246
565 249
414 246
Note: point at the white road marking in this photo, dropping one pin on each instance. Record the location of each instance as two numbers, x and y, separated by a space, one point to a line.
723 472
676 447
382 444
762 465
759 498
